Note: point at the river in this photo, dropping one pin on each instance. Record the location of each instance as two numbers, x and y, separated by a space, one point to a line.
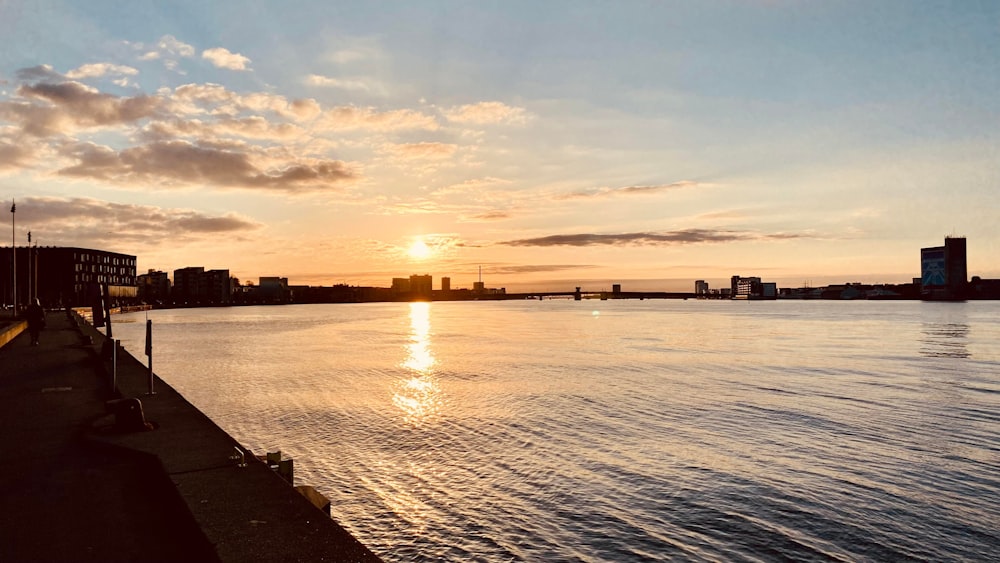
626 430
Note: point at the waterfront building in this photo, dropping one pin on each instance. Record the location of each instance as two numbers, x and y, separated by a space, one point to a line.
445 284
944 270
189 284
67 276
400 285
196 285
701 287
153 286
751 288
421 285
272 289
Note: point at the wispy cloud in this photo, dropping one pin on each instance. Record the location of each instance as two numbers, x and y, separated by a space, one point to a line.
351 118
96 70
421 151
223 58
349 84
171 45
629 190
486 217
168 49
515 269
484 113
687 236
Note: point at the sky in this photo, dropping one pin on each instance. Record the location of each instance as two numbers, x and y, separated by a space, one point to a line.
551 144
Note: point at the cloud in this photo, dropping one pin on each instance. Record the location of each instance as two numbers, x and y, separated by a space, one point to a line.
422 151
97 70
345 56
629 190
687 236
350 118
484 113
47 109
254 127
86 221
168 49
40 73
169 44
180 163
340 83
14 155
215 99
507 269
471 186
223 58
487 217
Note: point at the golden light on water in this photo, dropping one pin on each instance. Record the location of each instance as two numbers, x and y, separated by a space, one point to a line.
418 395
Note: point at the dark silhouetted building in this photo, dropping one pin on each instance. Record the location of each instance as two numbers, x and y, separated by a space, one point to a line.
701 287
67 276
154 286
400 285
272 289
421 285
196 285
944 270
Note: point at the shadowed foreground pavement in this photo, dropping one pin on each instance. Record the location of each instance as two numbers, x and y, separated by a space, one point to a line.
75 488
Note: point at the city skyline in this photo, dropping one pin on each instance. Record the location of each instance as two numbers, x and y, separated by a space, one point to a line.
549 144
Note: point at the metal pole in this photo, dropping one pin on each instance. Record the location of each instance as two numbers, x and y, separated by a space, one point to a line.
114 366
34 269
13 253
29 269
149 353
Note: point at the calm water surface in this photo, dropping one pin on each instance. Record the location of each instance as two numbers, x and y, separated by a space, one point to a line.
617 430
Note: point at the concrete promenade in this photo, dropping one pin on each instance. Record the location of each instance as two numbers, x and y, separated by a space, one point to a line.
74 486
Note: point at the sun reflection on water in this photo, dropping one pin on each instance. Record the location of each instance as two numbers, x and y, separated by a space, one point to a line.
418 395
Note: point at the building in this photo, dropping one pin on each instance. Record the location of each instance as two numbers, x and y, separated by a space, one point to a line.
195 285
400 285
751 288
701 287
445 284
188 284
153 286
944 270
219 287
421 285
272 289
66 276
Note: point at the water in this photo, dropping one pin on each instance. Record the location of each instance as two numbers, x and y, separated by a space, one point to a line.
617 430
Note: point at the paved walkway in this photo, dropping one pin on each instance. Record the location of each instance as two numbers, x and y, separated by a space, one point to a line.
75 488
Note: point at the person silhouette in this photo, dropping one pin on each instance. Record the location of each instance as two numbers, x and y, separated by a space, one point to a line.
35 316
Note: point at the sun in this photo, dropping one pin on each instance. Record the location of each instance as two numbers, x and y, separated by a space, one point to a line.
419 250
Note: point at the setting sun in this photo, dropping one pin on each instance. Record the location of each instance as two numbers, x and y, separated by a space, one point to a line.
419 250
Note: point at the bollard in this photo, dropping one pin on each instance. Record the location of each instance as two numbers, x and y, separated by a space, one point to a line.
128 415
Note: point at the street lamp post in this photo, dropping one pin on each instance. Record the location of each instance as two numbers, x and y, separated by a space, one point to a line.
13 257
30 270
